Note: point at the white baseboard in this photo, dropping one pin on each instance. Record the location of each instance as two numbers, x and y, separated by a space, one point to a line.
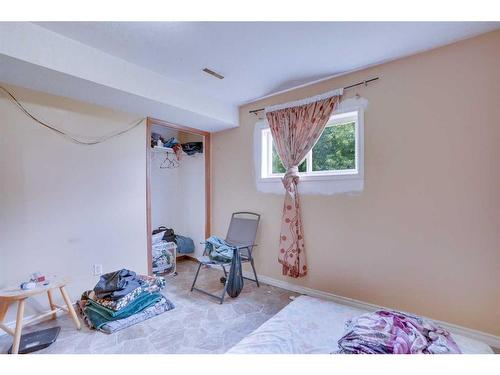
487 338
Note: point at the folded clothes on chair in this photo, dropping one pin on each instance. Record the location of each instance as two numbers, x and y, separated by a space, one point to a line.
219 250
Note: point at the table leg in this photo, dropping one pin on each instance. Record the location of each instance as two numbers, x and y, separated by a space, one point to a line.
4 306
51 302
19 326
71 310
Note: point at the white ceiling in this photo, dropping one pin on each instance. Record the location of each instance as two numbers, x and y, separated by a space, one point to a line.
37 58
154 69
258 58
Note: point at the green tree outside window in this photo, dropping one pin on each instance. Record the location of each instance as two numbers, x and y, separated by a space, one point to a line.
334 151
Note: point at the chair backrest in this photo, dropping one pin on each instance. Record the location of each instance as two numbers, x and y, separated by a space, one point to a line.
243 228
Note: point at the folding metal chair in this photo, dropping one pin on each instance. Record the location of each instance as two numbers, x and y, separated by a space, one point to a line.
241 235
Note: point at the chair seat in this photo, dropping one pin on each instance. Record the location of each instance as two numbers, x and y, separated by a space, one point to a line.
206 260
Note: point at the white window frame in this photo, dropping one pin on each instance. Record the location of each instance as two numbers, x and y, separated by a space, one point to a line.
315 182
336 119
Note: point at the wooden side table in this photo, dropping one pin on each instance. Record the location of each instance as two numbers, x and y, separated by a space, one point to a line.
19 296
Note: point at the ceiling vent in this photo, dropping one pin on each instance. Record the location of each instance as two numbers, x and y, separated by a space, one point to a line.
212 73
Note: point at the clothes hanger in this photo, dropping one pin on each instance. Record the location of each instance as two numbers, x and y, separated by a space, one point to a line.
170 162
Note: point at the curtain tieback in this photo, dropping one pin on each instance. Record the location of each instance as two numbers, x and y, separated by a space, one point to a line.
291 176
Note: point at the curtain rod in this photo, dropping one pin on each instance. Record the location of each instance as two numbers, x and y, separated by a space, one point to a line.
345 88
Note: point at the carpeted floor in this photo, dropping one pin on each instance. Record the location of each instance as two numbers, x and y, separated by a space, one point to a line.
198 324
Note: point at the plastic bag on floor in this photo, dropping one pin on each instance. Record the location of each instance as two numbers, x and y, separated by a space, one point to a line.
235 278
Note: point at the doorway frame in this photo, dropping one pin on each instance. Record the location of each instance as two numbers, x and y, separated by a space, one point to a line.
208 186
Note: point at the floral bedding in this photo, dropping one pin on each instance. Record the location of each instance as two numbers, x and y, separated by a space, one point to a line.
394 332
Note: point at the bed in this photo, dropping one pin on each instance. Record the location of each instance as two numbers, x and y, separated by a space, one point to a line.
313 325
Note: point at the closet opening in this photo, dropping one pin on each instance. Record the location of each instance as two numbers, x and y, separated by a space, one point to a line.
177 194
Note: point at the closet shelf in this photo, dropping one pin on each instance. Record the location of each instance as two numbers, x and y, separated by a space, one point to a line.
165 150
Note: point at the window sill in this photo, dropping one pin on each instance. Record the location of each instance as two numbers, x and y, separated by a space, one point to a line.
317 177
323 185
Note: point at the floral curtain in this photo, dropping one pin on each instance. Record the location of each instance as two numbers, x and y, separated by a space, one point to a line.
295 128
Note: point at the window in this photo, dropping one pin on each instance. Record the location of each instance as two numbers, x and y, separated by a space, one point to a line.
334 165
336 153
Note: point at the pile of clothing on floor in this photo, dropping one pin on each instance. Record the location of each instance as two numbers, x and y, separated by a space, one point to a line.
121 299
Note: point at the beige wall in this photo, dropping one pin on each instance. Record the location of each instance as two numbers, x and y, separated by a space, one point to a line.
63 206
424 235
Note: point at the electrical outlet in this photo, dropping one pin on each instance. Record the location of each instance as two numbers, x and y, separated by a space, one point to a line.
97 268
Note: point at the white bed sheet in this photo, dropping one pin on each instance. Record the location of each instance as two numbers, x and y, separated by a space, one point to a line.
313 325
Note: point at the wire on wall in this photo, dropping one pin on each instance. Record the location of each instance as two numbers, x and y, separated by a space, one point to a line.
79 140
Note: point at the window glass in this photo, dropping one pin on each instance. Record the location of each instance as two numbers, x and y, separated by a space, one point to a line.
335 149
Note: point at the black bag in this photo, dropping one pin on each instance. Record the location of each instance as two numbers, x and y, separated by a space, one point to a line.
169 235
192 148
235 281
